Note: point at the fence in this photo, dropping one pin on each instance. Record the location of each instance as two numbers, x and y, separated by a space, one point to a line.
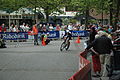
84 72
18 39
52 34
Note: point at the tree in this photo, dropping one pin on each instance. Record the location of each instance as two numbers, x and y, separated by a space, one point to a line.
12 5
110 7
117 11
49 6
84 7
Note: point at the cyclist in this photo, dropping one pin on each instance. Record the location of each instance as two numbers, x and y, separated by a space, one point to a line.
67 36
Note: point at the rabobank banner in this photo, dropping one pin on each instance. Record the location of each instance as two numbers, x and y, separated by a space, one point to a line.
14 35
51 34
79 33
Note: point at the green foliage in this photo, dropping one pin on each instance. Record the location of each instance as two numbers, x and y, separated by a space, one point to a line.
48 6
93 21
73 21
51 6
12 5
66 21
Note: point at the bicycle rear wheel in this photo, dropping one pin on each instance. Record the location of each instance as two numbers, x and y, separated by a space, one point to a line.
62 46
67 47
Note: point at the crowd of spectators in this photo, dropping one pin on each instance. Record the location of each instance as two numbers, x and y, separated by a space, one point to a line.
55 27
58 27
101 45
22 28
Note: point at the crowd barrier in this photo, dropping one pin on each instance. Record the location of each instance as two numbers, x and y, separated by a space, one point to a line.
84 72
52 34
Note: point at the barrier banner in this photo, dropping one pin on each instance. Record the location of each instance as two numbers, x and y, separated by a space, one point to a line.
14 35
62 33
84 72
79 33
51 34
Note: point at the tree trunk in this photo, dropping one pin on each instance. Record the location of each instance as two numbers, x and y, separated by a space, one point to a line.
117 15
86 14
47 17
35 15
86 18
102 4
111 14
47 14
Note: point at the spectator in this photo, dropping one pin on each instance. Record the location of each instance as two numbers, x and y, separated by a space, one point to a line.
65 27
95 57
93 32
51 27
78 27
70 27
75 28
44 28
2 41
102 46
110 29
35 33
2 28
23 27
47 26
15 29
101 32
58 27
82 27
62 27
11 27
26 28
40 28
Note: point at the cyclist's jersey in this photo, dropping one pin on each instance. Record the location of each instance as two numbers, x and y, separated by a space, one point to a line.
68 36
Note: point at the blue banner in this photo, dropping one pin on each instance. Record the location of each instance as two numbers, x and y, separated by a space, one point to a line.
79 33
14 35
51 34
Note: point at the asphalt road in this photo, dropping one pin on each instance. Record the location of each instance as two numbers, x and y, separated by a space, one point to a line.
24 61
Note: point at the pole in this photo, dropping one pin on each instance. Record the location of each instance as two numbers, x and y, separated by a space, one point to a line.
102 12
86 14
35 12
9 21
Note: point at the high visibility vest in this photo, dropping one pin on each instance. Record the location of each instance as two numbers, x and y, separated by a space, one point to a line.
35 30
